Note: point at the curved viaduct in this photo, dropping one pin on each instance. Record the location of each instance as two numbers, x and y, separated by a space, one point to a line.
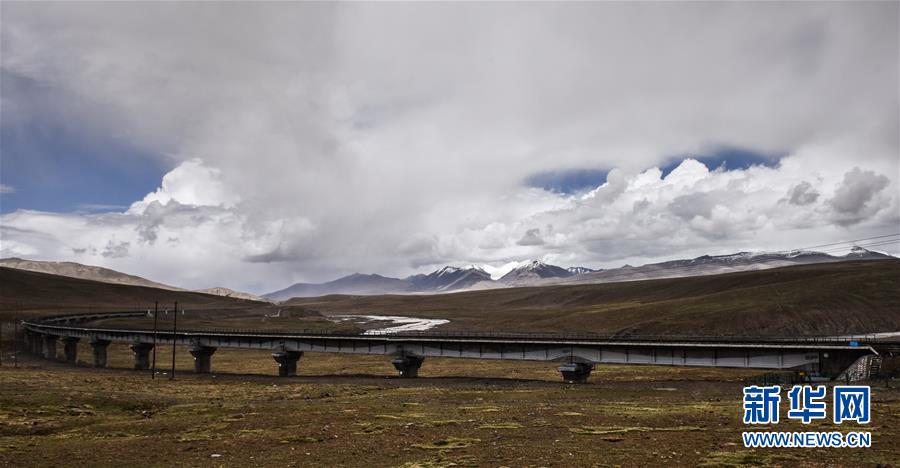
825 358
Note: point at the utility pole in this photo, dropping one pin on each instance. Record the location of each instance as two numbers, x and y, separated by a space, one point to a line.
155 321
174 339
15 342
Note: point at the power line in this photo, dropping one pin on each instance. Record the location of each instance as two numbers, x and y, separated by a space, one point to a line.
864 245
845 242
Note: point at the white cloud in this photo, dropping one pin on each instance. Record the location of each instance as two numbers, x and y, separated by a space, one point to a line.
7 188
191 183
311 140
853 198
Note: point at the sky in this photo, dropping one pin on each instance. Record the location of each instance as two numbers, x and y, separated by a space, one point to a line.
252 146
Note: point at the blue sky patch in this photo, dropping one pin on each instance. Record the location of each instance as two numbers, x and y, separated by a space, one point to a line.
731 156
56 164
568 181
51 170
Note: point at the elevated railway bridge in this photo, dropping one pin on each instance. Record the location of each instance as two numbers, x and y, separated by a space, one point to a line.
820 358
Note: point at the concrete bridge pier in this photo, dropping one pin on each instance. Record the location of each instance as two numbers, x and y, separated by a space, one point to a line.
50 346
287 362
98 349
202 358
408 365
36 343
576 372
70 349
141 355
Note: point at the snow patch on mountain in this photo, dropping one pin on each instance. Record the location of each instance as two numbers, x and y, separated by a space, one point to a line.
534 270
577 270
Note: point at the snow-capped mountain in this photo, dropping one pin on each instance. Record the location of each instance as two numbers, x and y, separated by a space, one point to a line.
449 278
859 253
534 271
716 264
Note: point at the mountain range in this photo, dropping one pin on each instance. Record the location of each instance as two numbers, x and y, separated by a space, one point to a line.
716 264
454 279
537 273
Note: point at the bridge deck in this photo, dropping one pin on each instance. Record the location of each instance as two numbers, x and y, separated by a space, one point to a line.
816 355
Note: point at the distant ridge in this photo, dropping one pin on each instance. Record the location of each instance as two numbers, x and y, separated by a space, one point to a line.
712 265
26 292
537 273
106 275
352 284
87 272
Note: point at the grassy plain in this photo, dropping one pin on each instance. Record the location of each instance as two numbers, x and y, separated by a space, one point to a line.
350 411
346 410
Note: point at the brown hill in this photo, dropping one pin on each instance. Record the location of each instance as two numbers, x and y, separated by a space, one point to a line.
78 270
26 293
820 299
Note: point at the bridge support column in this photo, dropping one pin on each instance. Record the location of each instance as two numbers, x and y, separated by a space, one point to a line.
408 366
287 362
141 355
576 372
98 350
50 346
36 343
202 358
70 349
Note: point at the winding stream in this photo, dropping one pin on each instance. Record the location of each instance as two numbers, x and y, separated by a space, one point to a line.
379 324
